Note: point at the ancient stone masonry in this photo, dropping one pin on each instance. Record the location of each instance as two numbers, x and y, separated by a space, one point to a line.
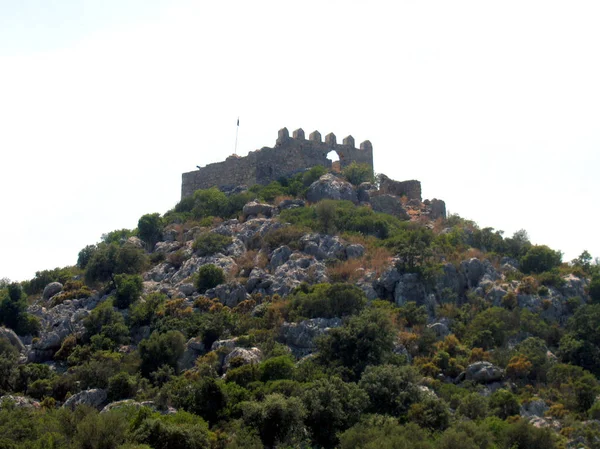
290 155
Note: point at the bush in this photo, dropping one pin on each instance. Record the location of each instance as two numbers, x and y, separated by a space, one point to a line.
161 349
121 386
277 368
129 289
327 301
277 419
111 259
540 258
209 243
391 389
333 406
150 228
358 173
13 312
432 413
504 404
473 406
209 276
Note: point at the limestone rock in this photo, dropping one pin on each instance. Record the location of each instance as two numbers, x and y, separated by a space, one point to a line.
389 204
330 187
254 209
135 241
364 191
93 398
409 288
247 356
291 204
300 337
386 283
12 338
187 289
194 348
410 189
18 401
52 289
484 372
534 408
323 246
230 294
280 256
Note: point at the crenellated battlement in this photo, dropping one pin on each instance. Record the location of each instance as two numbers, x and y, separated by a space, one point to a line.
290 155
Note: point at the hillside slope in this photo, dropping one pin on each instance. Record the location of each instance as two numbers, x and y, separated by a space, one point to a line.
312 312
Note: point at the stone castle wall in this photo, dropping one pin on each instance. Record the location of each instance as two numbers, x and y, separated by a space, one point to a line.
290 155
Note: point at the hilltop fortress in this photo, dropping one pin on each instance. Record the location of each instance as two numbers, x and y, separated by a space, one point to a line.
290 155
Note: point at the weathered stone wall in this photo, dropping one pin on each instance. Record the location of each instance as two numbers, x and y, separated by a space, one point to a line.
412 189
289 156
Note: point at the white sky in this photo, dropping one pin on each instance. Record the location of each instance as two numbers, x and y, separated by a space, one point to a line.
493 106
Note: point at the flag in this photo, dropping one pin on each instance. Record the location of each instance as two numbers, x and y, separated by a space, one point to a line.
238 124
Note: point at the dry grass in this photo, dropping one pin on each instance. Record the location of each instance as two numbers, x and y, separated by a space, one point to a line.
347 271
280 198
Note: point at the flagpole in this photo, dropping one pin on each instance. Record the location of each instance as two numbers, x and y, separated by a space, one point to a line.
236 135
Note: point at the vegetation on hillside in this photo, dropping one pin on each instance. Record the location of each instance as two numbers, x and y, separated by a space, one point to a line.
381 377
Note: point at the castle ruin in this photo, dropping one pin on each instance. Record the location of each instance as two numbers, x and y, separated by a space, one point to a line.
289 156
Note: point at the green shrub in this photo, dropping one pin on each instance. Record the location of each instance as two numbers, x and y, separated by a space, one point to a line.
504 404
209 243
129 289
277 368
432 413
473 406
121 386
178 431
13 311
327 301
287 235
161 349
540 258
209 276
150 228
111 259
358 173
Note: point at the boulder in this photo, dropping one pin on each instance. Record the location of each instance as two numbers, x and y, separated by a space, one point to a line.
495 295
484 372
136 242
364 191
323 246
194 348
535 408
280 256
330 187
12 338
246 356
92 398
52 289
300 337
230 294
187 289
291 204
409 288
18 401
389 204
254 209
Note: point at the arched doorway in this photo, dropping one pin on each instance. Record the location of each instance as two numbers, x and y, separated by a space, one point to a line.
335 161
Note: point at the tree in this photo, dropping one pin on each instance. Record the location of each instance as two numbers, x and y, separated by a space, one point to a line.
391 389
278 419
111 259
85 256
504 404
161 349
540 258
150 228
13 311
129 289
332 406
431 413
595 288
365 339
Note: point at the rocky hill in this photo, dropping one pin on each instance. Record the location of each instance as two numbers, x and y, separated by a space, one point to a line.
312 312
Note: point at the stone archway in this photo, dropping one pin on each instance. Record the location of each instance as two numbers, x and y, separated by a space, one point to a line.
334 157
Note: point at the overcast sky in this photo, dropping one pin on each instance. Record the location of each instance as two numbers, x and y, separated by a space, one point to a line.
493 106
